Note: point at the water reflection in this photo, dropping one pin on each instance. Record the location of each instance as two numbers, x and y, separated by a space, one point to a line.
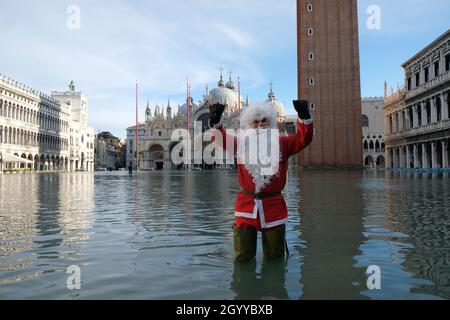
406 221
268 283
17 227
331 210
44 218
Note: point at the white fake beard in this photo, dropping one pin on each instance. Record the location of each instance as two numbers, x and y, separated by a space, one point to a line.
252 162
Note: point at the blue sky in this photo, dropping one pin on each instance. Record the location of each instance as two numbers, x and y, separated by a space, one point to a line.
161 42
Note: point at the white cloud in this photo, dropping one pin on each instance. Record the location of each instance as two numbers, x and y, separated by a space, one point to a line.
240 38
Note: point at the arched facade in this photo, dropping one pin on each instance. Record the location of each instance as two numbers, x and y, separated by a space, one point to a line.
38 128
160 124
374 152
418 116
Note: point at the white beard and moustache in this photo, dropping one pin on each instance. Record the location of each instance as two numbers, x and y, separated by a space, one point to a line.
258 151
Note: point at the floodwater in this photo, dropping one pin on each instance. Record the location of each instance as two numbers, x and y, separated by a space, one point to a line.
167 235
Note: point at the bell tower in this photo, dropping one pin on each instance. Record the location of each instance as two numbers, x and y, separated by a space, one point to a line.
329 78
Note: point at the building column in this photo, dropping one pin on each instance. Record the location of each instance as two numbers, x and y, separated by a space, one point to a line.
411 117
415 116
408 157
433 110
416 156
433 155
442 106
445 114
387 154
424 156
401 157
423 112
395 157
441 61
444 154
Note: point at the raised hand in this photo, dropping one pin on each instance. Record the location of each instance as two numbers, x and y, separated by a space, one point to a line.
302 108
216 111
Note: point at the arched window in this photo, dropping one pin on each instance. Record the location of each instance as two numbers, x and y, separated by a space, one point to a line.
365 120
366 145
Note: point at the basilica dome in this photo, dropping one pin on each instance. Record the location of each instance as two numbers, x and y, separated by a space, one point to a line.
193 107
277 105
225 94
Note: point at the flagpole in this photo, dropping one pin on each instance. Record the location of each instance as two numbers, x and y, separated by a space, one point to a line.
137 126
188 104
188 93
239 94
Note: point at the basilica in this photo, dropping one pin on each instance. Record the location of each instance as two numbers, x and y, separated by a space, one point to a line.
154 136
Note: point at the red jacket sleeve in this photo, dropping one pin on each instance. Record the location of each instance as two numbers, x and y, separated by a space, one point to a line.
299 141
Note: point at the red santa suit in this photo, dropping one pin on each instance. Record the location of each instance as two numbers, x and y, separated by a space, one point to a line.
267 209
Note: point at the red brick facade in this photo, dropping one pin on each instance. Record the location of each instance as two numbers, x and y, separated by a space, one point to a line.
336 92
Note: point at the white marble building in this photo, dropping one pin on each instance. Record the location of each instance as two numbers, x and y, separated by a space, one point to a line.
417 117
40 132
81 141
373 132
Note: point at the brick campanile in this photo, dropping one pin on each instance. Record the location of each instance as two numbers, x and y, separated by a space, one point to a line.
329 77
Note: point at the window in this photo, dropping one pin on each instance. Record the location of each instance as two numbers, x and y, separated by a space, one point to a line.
427 74
311 106
447 62
311 56
159 133
419 116
309 7
365 121
411 117
417 79
310 31
436 68
409 83
311 81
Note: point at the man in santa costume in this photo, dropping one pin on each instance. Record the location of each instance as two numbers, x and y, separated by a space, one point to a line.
260 206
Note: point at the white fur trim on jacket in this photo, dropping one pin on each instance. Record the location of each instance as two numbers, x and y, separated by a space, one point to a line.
307 122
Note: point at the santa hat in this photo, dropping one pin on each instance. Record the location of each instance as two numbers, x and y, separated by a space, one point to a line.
259 111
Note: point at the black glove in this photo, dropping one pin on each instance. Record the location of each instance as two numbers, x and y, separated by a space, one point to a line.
302 108
216 111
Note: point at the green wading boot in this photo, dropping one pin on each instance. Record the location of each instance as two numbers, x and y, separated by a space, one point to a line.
274 242
244 243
